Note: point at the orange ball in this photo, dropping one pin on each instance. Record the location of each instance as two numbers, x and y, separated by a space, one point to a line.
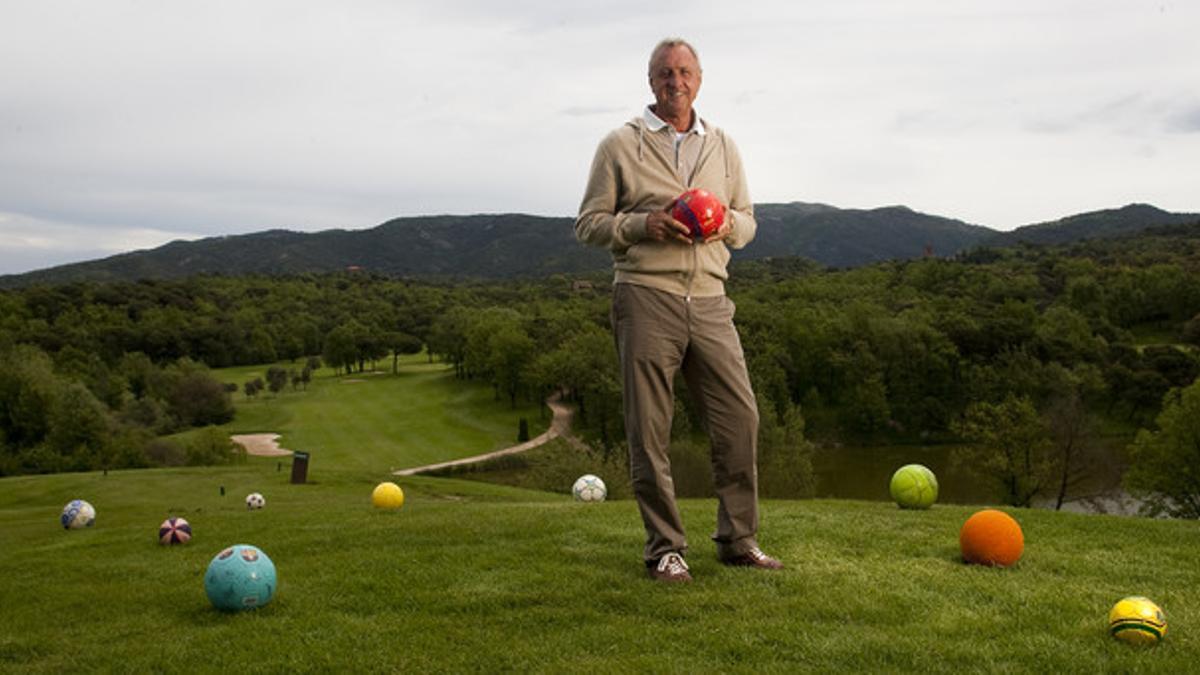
991 537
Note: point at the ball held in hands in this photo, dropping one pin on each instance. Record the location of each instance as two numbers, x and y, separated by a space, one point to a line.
700 210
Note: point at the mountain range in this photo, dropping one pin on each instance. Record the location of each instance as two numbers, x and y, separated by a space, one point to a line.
518 245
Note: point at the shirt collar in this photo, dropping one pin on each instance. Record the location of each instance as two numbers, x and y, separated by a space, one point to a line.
654 123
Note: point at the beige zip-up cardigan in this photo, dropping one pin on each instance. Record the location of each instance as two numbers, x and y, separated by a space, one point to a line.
631 176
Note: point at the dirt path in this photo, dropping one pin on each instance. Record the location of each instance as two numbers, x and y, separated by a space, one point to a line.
560 425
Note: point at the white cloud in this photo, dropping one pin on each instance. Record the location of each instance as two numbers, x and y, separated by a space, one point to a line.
29 243
197 119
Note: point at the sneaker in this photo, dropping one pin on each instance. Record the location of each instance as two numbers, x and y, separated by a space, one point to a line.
670 568
753 558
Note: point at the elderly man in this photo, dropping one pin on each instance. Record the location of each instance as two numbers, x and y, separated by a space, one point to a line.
670 312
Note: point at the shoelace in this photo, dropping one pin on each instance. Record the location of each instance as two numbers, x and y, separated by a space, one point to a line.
756 553
672 563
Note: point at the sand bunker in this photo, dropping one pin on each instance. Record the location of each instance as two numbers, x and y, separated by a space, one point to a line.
263 445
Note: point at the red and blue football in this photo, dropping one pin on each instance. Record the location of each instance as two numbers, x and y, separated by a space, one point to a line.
702 212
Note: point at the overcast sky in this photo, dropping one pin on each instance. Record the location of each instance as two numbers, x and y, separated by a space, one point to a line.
126 124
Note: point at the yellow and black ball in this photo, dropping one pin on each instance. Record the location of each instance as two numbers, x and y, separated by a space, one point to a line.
1137 620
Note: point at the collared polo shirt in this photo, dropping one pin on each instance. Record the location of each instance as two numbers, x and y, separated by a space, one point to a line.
685 145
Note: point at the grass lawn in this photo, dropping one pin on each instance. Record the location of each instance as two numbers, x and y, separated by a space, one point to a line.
476 577
376 422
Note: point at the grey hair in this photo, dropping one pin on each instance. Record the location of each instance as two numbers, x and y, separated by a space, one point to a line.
670 43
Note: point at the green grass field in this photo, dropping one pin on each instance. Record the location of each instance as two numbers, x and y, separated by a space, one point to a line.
476 577
375 422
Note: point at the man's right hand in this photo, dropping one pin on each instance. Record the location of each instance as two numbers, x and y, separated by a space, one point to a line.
660 226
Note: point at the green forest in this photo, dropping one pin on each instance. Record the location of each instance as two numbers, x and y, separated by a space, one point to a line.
1030 358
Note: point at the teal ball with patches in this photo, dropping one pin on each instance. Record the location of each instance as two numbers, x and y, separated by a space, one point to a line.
240 577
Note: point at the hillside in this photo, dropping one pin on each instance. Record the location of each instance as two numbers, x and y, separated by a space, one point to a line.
524 246
1093 225
852 237
513 245
516 245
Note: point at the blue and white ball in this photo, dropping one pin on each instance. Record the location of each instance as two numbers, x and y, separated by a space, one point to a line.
78 514
255 500
589 488
240 577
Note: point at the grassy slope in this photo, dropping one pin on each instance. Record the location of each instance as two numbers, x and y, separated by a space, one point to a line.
378 421
470 576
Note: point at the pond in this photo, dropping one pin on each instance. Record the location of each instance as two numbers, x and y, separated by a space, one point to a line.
864 472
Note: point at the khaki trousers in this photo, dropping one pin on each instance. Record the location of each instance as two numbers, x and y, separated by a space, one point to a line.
658 334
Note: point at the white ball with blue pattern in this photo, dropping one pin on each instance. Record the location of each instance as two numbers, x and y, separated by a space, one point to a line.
589 488
77 515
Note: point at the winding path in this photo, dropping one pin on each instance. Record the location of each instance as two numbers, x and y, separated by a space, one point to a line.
560 425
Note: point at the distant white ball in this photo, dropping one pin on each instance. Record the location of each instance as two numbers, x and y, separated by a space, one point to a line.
589 488
78 514
255 500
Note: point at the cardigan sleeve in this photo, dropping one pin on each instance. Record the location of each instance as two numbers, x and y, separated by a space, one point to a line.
599 223
740 210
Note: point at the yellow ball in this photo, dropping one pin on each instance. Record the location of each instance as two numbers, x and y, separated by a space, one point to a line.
1137 620
387 496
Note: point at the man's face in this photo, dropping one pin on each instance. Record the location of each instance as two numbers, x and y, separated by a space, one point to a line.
675 81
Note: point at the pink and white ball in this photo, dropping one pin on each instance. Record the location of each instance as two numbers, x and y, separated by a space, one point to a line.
174 531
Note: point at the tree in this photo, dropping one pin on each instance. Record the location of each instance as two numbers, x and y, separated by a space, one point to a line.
401 343
277 379
1165 468
865 395
479 356
448 338
585 368
785 455
138 371
252 387
1064 335
28 388
80 429
148 413
1190 334
198 400
867 409
1071 430
260 346
371 345
1176 366
1008 446
213 446
342 346
511 352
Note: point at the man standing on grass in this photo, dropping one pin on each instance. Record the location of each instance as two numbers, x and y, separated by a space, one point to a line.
670 313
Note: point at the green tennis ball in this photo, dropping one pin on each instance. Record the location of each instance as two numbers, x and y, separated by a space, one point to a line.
914 487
